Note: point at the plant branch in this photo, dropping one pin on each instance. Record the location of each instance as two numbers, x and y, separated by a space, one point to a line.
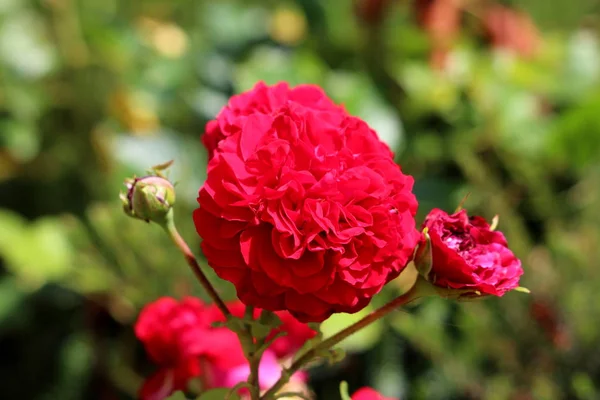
292 395
421 288
253 379
171 229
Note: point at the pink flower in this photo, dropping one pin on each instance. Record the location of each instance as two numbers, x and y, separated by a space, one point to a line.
468 255
367 393
303 208
269 373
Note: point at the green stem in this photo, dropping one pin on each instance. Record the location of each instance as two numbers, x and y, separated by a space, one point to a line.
171 229
253 378
421 288
292 395
253 356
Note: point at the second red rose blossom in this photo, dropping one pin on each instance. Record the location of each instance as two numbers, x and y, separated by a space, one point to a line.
468 255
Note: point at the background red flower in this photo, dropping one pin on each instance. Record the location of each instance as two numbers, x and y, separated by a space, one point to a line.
180 337
367 393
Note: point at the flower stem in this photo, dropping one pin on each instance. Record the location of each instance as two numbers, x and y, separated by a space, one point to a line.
254 355
171 229
253 379
419 289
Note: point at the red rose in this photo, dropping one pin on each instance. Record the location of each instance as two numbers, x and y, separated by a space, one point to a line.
180 338
467 254
366 393
171 331
262 100
173 335
303 208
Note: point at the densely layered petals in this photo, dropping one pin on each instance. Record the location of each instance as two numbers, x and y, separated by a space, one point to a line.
303 208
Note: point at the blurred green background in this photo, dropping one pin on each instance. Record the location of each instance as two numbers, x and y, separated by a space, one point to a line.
474 96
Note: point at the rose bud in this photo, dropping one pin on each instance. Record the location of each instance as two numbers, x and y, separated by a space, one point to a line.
464 257
149 198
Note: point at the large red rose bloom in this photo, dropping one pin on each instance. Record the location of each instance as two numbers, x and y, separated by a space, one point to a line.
467 255
262 100
303 208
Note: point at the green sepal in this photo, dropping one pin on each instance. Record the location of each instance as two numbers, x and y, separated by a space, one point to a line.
344 391
177 396
269 318
264 325
423 256
235 324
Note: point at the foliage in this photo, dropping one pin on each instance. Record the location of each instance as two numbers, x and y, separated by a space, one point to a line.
95 90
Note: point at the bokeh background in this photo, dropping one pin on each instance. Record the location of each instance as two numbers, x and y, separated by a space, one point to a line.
499 99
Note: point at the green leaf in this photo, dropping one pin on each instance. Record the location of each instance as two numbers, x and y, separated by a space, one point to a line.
269 318
361 340
259 331
38 252
177 396
218 394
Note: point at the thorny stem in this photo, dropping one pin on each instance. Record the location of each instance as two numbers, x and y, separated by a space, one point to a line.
171 229
419 289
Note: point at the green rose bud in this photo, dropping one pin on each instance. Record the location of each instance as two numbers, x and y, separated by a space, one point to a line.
149 198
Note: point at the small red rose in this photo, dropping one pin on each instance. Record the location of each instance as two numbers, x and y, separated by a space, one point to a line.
367 393
303 208
181 340
466 254
172 333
